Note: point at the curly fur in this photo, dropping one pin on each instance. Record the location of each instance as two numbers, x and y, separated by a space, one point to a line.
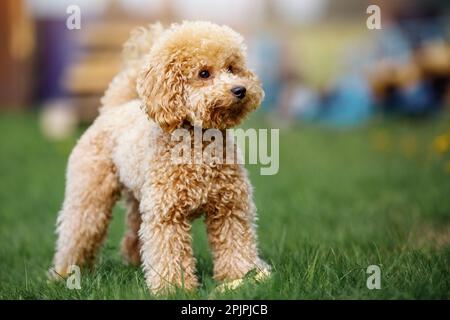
124 152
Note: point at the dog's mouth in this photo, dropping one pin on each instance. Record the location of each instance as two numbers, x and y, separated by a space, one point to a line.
238 109
221 113
233 106
227 116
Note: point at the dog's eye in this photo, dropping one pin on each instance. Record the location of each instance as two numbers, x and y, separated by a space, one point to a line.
230 69
204 74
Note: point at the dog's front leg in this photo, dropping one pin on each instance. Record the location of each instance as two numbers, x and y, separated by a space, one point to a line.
166 251
232 236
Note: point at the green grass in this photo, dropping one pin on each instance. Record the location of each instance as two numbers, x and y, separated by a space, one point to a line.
342 200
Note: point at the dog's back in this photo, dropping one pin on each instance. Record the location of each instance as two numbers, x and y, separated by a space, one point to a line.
123 87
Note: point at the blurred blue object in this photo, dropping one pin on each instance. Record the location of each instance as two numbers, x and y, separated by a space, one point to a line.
348 104
391 44
416 100
265 58
55 51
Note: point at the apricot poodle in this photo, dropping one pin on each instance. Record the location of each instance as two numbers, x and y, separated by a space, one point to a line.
190 75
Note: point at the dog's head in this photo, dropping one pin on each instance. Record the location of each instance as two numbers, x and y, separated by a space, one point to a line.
196 73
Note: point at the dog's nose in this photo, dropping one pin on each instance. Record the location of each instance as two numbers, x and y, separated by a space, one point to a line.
239 91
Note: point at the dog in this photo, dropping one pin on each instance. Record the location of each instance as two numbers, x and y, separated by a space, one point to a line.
190 75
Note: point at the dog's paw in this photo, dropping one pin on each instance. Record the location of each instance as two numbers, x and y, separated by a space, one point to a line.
54 276
262 275
253 276
229 286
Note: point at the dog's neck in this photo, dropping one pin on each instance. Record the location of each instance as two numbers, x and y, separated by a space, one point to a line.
197 142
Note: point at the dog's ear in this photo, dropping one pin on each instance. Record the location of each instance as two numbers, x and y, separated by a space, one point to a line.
161 87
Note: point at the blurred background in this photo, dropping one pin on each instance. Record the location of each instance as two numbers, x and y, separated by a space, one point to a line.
318 60
364 174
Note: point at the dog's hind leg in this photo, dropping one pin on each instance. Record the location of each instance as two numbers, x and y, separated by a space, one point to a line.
92 189
130 242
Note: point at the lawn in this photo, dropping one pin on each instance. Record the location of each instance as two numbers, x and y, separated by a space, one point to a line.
342 200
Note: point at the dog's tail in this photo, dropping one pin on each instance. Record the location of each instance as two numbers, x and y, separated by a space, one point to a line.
123 87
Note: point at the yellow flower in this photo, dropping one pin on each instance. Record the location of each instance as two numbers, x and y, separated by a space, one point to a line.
442 143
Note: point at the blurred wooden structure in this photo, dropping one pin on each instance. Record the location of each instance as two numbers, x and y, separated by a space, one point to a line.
86 79
17 43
